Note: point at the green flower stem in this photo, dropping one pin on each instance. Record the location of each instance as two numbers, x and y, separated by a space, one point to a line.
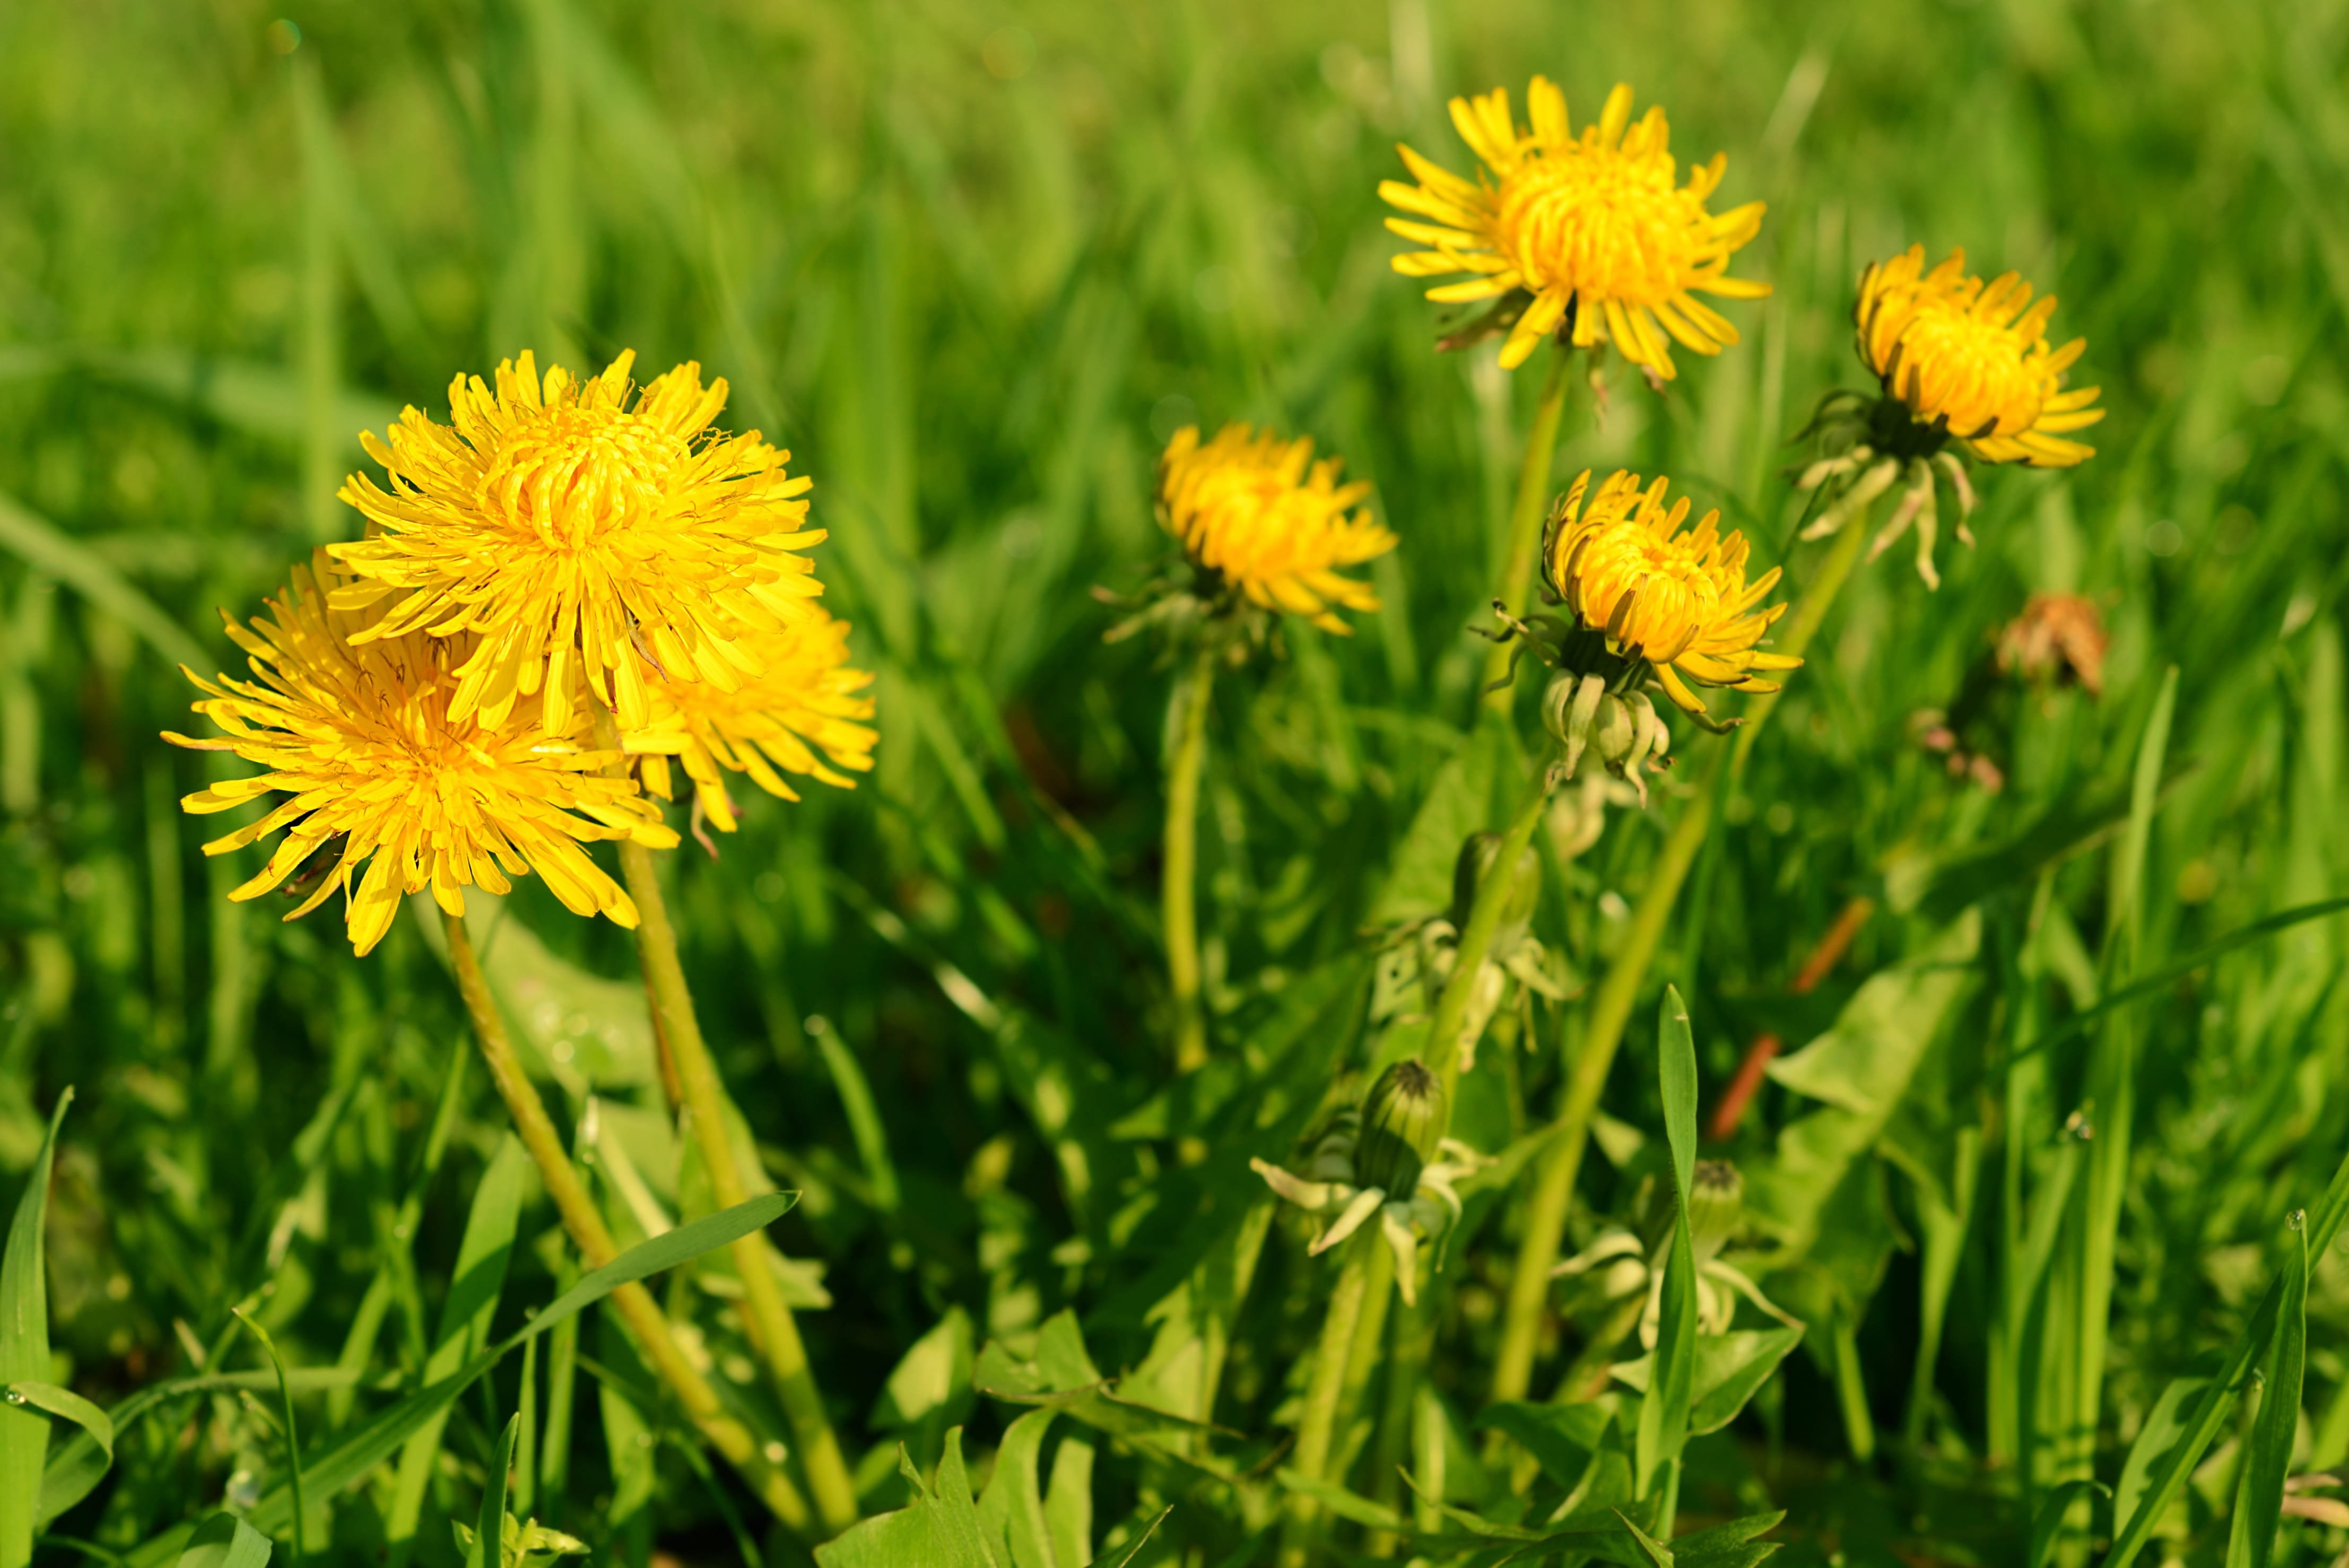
1414 1338
1477 941
767 1316
1369 1334
1611 1007
1178 895
1323 1393
1525 516
584 1222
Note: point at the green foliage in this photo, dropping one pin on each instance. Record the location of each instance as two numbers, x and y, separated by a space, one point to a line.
2019 1170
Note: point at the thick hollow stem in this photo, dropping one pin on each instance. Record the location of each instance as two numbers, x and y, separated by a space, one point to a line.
1525 515
1477 941
1611 1010
1611 1007
1370 1336
1178 895
1323 1393
768 1316
584 1222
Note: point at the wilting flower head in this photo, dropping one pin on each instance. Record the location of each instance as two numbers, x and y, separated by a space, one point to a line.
801 715
1594 228
1256 515
1401 1168
575 525
1957 359
2058 638
384 773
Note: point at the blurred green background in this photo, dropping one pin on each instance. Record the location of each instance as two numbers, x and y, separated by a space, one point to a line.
972 263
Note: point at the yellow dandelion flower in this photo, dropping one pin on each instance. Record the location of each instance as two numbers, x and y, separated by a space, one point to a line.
1969 357
1260 514
801 716
362 733
1596 224
1677 601
571 524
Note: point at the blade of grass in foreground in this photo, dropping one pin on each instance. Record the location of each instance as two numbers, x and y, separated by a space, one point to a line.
25 1353
351 1459
2219 1396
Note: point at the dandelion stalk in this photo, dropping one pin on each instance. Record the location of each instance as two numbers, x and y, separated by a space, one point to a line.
1324 1392
1525 519
1178 897
1477 941
584 1222
769 1316
1610 1006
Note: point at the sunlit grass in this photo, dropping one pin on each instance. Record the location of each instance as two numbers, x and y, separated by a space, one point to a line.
975 268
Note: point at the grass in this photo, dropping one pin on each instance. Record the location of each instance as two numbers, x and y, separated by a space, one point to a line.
973 266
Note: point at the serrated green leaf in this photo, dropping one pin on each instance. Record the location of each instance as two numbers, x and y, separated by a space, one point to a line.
940 1528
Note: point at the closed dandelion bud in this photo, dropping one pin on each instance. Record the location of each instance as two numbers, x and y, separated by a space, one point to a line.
1568 705
1615 733
1716 1206
1476 864
1402 1121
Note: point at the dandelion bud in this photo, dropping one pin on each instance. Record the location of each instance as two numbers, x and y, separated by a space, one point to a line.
1716 1205
1568 706
1616 729
1476 864
1402 1121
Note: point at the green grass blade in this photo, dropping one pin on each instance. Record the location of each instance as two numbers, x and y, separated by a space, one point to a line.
292 1439
2219 1397
224 1541
1665 1412
351 1459
78 1465
38 543
25 1351
475 1286
2048 1520
489 1534
663 1251
2258 1507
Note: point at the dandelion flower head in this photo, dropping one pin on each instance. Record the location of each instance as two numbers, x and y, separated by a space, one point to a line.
1973 358
571 524
802 715
385 776
1261 514
1597 224
1678 600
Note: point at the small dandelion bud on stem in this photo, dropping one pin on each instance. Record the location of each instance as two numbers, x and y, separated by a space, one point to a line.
1403 1118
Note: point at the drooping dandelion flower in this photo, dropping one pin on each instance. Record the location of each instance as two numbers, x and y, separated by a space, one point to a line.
1645 605
801 716
1596 228
1260 518
1957 360
385 775
578 525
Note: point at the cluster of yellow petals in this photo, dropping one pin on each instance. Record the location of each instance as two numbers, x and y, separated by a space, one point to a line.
803 714
1680 601
1271 522
1958 350
363 732
571 523
1599 222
